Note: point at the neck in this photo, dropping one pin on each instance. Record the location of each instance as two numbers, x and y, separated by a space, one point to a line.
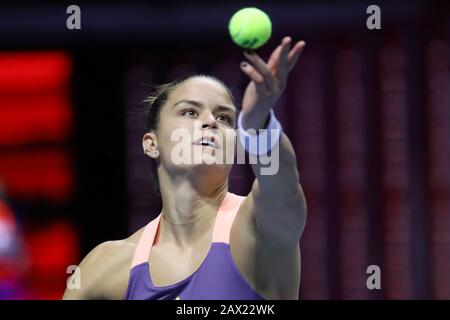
190 205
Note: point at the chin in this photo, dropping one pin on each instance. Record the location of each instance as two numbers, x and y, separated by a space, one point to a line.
208 166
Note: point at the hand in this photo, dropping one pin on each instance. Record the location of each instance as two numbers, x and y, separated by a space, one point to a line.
268 81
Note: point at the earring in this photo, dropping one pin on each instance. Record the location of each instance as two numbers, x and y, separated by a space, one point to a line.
153 153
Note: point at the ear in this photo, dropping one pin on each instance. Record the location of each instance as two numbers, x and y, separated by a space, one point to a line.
150 145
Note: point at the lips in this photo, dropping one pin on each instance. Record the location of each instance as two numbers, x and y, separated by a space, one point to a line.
206 141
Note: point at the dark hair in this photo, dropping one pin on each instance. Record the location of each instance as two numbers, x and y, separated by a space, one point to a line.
156 100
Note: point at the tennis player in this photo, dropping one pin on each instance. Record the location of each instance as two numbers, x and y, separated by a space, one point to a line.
209 243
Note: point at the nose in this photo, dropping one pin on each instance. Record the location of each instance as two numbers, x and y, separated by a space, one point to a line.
209 120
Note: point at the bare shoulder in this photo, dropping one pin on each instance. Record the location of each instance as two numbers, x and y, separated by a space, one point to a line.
104 272
271 270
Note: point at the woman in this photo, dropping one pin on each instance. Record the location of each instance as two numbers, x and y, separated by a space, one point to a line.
208 243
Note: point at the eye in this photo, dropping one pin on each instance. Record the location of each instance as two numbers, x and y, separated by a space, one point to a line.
189 112
224 117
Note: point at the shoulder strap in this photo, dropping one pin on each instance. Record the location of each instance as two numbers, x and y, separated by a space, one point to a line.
221 232
145 243
225 217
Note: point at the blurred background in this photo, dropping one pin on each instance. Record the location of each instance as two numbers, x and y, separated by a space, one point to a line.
368 112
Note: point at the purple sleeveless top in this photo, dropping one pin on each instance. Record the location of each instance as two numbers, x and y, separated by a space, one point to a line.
217 278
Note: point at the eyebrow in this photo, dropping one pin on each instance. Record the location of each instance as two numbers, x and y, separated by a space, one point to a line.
200 105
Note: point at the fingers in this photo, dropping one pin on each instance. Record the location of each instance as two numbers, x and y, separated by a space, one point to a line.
262 68
285 47
272 77
272 64
294 54
253 74
283 68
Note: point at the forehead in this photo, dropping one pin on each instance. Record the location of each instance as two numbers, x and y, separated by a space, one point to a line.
201 89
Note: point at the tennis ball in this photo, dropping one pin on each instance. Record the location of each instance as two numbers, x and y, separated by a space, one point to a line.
250 28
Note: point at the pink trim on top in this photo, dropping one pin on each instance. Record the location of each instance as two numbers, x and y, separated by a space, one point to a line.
142 252
221 231
225 217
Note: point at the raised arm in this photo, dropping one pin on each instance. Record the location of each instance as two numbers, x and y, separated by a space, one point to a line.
276 200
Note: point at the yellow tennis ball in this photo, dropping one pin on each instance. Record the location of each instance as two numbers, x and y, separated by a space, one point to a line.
250 28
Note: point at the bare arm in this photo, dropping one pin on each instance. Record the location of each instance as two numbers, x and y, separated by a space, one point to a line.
276 200
265 236
103 273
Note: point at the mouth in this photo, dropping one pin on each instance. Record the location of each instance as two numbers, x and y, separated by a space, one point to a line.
206 142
